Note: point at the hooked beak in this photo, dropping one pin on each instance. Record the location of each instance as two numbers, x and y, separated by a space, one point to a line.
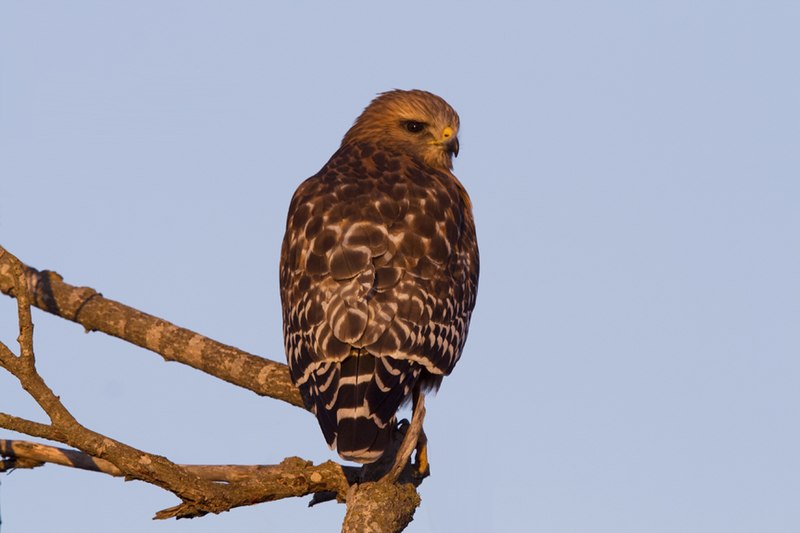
450 141
452 146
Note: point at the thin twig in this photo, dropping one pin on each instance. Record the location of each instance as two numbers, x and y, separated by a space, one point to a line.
25 338
28 427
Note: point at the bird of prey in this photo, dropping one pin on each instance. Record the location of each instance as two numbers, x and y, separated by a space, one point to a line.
379 271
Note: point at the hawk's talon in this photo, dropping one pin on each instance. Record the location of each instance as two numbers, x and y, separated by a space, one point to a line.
403 426
422 468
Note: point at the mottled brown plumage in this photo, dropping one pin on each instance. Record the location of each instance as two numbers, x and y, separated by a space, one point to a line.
379 270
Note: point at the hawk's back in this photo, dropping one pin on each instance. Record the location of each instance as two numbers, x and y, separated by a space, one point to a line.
378 277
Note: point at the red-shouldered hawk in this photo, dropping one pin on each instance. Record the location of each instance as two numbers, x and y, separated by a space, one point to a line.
379 271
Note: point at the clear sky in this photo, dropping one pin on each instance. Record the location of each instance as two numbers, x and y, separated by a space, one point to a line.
633 363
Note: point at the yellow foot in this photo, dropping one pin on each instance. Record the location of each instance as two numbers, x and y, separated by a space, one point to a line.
422 465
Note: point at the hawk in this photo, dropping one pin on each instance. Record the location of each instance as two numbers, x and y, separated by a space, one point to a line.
379 271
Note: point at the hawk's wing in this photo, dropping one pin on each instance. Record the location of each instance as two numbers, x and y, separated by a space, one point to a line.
379 272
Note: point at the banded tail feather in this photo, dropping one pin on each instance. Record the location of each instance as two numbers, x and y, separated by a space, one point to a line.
355 401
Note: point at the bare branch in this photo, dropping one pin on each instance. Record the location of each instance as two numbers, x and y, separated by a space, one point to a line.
201 495
95 313
32 453
250 484
35 429
292 477
42 453
385 505
380 507
23 305
241 484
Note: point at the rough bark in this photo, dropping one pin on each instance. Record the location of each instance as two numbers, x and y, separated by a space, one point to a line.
385 505
94 312
378 507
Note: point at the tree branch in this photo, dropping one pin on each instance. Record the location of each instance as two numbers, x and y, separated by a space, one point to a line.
384 505
255 483
35 429
196 486
38 454
94 312
137 464
377 507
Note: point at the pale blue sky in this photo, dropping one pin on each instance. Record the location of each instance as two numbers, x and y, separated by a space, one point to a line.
635 169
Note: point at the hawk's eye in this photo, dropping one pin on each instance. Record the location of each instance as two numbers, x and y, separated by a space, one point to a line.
414 127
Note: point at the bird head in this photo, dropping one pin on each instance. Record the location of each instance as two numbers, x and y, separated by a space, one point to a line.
415 122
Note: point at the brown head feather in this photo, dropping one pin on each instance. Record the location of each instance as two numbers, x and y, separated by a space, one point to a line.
415 122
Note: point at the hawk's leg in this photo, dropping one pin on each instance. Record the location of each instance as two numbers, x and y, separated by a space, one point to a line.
411 441
422 467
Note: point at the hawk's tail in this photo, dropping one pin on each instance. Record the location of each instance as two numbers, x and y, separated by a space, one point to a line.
356 400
